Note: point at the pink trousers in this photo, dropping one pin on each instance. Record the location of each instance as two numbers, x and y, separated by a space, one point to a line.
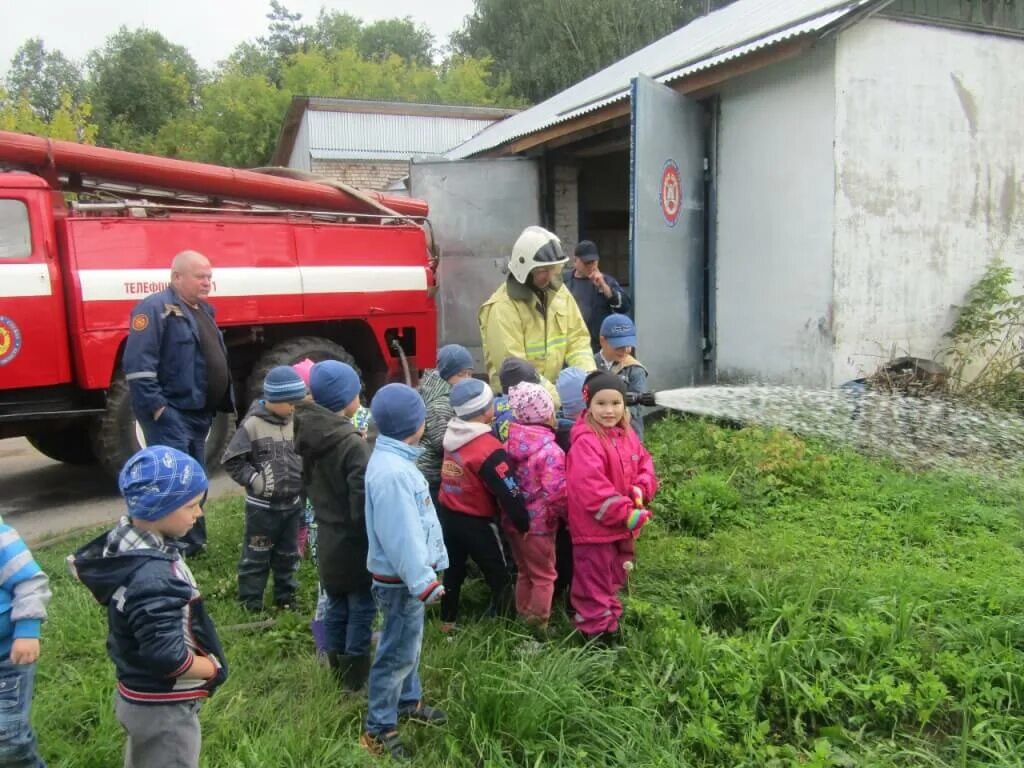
535 586
599 574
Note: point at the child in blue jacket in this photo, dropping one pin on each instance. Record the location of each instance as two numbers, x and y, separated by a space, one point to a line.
406 551
24 593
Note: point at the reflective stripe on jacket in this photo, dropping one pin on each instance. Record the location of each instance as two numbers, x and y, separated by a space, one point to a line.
550 335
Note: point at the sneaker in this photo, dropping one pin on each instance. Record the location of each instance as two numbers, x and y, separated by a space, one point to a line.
424 713
286 605
380 744
251 607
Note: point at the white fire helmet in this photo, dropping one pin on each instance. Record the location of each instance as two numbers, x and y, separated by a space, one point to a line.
535 248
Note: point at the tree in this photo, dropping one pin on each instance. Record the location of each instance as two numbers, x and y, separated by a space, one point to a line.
70 121
397 37
333 30
285 38
544 46
138 83
43 77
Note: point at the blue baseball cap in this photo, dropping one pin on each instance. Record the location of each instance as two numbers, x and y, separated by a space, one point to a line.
619 330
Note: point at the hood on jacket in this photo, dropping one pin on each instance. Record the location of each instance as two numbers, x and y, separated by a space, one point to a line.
460 432
524 440
259 409
318 430
103 576
433 386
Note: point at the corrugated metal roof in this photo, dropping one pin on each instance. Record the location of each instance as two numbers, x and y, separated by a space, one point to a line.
365 135
731 33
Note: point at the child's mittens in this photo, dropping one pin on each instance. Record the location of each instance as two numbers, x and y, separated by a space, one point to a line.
638 519
637 495
433 593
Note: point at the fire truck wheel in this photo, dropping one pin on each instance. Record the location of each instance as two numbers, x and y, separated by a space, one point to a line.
70 444
293 351
116 435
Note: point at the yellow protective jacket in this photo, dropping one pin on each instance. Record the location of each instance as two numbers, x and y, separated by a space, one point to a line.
549 333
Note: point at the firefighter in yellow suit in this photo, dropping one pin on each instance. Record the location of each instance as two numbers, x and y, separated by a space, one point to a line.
533 315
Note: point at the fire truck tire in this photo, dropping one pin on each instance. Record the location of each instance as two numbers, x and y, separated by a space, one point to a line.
293 351
70 445
116 436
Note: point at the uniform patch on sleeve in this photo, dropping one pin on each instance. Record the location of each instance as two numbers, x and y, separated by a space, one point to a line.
140 323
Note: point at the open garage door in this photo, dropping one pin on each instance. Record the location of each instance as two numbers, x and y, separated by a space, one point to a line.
667 232
477 210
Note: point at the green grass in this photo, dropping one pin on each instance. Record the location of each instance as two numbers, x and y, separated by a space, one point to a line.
790 606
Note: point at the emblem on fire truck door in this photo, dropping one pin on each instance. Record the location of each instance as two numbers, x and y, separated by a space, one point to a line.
10 340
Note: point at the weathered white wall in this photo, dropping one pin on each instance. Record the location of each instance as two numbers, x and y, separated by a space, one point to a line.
774 225
300 149
930 181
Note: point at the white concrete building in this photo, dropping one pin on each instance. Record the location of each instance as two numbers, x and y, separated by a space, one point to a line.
864 163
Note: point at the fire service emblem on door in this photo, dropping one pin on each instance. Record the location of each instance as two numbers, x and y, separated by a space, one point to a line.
10 340
671 192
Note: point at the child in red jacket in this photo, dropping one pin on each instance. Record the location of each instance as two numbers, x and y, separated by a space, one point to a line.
609 480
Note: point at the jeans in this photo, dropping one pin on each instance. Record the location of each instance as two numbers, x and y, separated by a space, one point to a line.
18 748
186 431
394 676
348 622
271 544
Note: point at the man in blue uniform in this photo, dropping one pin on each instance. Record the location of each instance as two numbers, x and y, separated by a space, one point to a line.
597 294
176 366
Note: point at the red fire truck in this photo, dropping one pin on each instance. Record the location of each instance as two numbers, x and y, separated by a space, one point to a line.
301 268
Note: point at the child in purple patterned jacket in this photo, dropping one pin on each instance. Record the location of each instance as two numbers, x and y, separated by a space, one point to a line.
539 466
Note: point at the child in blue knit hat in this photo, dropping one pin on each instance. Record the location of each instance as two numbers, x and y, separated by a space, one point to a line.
406 551
162 641
24 594
261 458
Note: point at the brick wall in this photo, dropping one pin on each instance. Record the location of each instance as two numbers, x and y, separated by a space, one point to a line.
567 225
365 174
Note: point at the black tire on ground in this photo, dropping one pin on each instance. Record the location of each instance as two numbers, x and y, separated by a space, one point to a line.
69 444
116 435
293 351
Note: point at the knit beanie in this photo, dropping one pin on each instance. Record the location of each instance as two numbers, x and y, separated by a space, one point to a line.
303 367
398 411
471 398
515 370
570 391
531 404
283 385
599 381
159 480
453 359
334 384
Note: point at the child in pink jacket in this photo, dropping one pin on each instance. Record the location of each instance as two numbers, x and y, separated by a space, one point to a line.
609 480
539 466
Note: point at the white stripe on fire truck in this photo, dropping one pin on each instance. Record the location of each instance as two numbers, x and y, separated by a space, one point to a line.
135 284
24 280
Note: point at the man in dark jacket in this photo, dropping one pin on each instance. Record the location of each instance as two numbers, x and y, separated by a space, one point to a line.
334 457
597 294
176 366
161 639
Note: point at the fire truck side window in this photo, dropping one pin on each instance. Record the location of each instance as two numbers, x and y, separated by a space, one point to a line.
15 234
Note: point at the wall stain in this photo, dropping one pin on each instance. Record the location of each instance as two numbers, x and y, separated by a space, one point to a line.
967 103
1008 199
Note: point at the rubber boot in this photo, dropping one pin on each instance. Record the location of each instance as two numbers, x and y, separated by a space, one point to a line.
356 674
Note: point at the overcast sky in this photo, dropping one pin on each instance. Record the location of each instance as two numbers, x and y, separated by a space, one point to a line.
209 29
